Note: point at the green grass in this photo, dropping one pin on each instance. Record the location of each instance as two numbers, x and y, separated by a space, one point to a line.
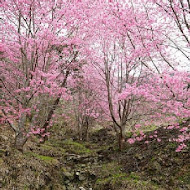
75 147
110 173
46 159
111 176
172 145
184 175
26 187
122 182
49 147
111 168
134 176
149 128
1 161
185 178
2 152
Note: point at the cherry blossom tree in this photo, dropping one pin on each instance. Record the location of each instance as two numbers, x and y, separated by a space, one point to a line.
166 97
127 45
88 100
39 50
175 15
108 57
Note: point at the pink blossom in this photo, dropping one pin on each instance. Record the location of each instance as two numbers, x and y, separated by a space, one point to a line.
137 126
183 129
131 141
170 127
181 147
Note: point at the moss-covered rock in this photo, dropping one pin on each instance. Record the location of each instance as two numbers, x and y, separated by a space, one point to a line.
75 147
112 176
46 159
122 182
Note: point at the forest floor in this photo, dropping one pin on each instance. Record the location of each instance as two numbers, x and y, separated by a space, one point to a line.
65 164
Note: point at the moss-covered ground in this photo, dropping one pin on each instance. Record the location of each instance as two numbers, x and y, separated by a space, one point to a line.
65 164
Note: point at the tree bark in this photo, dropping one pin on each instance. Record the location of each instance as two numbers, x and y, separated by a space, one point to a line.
121 138
21 137
87 130
20 141
80 132
52 110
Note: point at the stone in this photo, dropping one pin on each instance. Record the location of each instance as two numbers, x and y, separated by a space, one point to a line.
82 177
68 175
82 188
77 173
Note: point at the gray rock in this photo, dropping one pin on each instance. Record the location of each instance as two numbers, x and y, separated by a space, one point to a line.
77 173
68 175
82 177
82 188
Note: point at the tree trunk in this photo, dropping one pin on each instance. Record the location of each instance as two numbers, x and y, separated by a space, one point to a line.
87 136
115 127
80 132
87 133
53 108
20 141
21 137
121 139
